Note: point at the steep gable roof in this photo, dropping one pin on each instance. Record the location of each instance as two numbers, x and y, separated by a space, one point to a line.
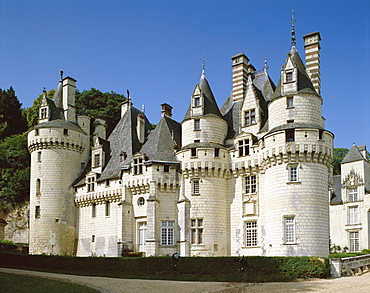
354 154
163 141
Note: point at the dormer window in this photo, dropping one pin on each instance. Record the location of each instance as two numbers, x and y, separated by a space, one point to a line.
289 76
96 160
138 166
243 147
43 113
249 117
196 101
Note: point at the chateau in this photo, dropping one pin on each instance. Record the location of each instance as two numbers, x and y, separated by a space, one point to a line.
252 177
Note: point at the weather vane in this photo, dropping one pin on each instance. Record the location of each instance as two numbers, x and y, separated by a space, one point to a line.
203 63
293 20
61 75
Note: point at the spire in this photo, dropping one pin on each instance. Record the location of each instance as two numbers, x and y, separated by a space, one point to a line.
265 67
203 65
293 20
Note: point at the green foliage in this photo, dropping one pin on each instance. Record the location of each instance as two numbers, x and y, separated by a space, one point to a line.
338 156
231 269
14 171
348 254
12 120
6 245
97 104
32 284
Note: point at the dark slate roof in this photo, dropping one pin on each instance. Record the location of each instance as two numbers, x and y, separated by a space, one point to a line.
60 124
123 139
336 196
304 82
57 111
232 112
295 125
204 145
163 141
264 83
354 154
210 104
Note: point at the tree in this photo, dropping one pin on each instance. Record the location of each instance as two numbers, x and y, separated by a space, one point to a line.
338 156
12 120
14 171
97 104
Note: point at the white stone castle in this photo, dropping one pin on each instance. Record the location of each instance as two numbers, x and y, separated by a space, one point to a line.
249 178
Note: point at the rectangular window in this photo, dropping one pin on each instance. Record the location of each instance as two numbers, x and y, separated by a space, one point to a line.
289 102
193 152
217 152
96 160
352 194
138 166
196 101
289 230
37 212
44 112
289 76
196 124
250 234
195 187
166 168
293 174
90 184
249 117
65 131
196 231
167 232
93 238
354 241
107 208
250 184
353 215
93 210
243 147
289 135
38 156
37 132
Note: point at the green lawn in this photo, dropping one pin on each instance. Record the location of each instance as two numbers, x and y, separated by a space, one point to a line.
10 283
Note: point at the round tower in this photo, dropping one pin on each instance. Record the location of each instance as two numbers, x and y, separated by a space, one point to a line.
203 212
295 167
59 151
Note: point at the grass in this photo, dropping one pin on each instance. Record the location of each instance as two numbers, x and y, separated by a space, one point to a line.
30 284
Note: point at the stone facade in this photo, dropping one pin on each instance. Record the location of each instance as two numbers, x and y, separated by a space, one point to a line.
249 178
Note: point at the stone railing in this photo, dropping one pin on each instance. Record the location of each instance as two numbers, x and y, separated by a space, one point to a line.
350 266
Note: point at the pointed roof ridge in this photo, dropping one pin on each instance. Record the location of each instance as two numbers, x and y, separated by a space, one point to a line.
304 82
353 155
210 104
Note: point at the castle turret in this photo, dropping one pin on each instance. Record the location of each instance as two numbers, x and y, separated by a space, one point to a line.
297 154
204 164
59 151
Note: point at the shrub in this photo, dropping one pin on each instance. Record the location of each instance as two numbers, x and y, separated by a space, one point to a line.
6 245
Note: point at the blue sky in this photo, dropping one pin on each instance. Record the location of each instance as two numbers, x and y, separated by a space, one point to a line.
155 48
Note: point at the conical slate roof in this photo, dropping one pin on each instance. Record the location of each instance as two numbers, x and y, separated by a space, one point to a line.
210 105
57 110
303 80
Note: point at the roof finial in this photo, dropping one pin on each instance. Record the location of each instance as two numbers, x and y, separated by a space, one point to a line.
44 90
293 20
128 96
61 75
203 64
265 67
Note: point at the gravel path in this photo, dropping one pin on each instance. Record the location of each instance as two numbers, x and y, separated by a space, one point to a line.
358 284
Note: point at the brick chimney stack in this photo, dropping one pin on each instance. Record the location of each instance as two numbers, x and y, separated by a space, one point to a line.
166 110
241 68
312 51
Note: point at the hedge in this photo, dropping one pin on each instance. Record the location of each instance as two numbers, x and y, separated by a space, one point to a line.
231 269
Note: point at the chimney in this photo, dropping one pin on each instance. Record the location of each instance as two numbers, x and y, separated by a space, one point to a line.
69 93
312 51
240 67
166 110
125 106
100 128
